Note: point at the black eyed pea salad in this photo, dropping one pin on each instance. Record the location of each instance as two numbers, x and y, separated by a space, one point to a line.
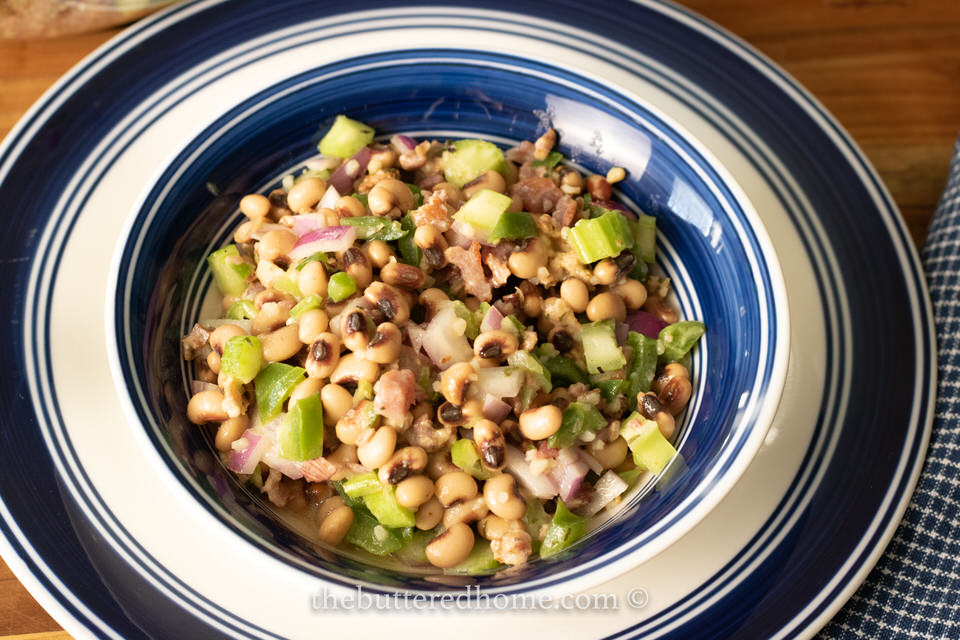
441 352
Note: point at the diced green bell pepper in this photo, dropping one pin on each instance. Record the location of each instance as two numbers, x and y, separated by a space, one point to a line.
410 253
564 371
651 451
479 561
341 286
307 303
230 271
242 357
513 225
367 533
643 365
578 417
552 160
385 508
301 434
242 310
465 455
677 339
362 485
345 137
565 529
539 375
376 228
273 385
645 237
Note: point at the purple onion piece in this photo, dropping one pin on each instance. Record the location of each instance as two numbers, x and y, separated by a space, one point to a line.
342 179
403 144
645 323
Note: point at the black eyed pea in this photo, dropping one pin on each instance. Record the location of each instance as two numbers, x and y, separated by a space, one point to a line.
349 207
403 275
659 307
255 206
540 423
377 450
336 523
467 511
605 306
384 348
378 253
336 401
276 244
353 428
402 464
598 187
244 232
312 323
271 316
649 407
492 526
274 295
495 344
450 415
328 506
355 330
343 455
455 381
439 464
306 194
606 272
500 494
429 514
451 547
383 159
213 361
491 180
574 292
220 335
281 344
634 294
358 267
390 197
352 369
305 389
206 406
472 409
433 244
230 431
313 279
544 144
674 392
491 443
455 486
609 454
527 262
323 356
389 301
452 194
430 300
414 491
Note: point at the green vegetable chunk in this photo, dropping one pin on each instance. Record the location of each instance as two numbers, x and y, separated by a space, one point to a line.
376 228
241 358
307 303
483 212
230 272
385 508
273 385
603 237
677 339
367 533
600 348
643 365
409 252
480 560
301 434
651 451
645 237
538 374
564 371
514 225
471 159
535 519
577 418
345 138
465 455
341 286
242 310
565 529
362 485
552 160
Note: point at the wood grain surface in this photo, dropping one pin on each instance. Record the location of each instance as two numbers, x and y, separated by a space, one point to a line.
889 70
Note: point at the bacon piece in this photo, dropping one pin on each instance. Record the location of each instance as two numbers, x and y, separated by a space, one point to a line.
496 260
193 342
471 270
394 392
565 212
522 153
434 211
318 470
539 195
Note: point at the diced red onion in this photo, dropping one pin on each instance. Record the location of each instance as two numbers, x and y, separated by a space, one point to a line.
495 409
289 468
645 323
592 462
327 239
196 386
492 321
403 144
342 179
307 222
500 382
607 488
246 460
569 473
442 343
539 484
329 199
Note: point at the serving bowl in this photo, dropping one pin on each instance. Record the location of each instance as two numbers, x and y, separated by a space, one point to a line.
711 244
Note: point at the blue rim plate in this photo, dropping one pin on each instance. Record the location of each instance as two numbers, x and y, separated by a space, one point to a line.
777 557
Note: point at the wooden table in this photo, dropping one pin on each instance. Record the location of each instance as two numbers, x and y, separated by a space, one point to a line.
888 69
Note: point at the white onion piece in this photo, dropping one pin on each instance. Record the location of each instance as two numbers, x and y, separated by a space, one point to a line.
608 487
492 321
495 409
219 322
460 235
595 466
321 162
501 382
415 332
246 460
196 386
540 485
328 240
330 197
442 343
569 473
289 468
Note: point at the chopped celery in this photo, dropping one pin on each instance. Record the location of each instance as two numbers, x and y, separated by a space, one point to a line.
603 237
319 256
385 508
230 271
577 418
345 137
242 310
471 159
480 560
643 365
510 323
651 451
287 283
539 375
414 550
241 358
564 371
513 225
364 391
565 529
552 160
631 476
677 339
273 386
307 303
600 348
301 434
362 485
645 237
409 252
483 211
376 228
465 455
341 286
367 533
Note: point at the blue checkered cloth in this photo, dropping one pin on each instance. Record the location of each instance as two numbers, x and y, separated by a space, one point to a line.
914 591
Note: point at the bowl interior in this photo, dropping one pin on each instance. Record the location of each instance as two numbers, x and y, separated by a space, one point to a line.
707 244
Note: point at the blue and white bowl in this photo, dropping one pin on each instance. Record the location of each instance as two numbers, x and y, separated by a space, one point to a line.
711 244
